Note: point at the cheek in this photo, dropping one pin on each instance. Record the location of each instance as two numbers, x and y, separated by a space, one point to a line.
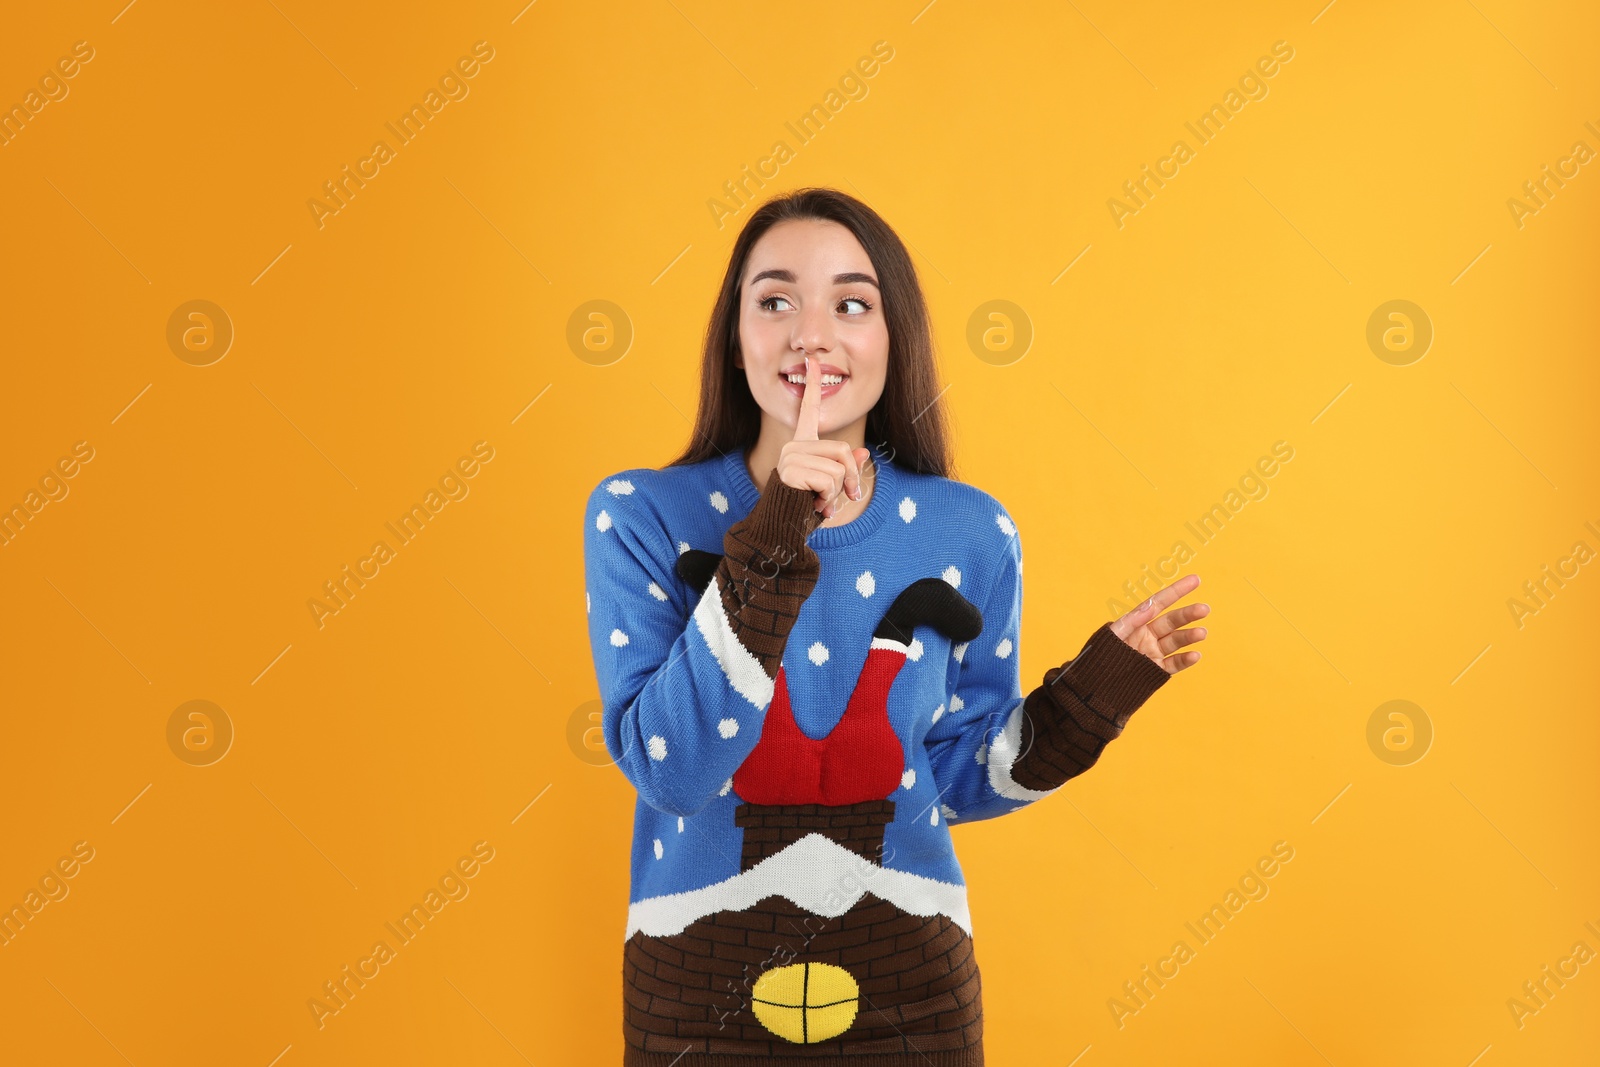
880 365
757 344
875 395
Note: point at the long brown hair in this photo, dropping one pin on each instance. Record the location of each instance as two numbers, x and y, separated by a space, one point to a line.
908 424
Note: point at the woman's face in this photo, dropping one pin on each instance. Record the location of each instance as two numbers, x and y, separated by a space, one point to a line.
809 290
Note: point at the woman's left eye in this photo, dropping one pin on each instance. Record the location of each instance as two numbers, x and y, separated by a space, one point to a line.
865 307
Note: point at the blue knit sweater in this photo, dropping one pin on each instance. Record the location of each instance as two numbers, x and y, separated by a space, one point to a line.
804 711
679 726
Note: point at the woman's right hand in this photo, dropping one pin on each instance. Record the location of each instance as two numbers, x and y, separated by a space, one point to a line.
825 467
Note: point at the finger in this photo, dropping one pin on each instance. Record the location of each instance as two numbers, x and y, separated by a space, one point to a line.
849 465
1176 591
830 463
822 476
852 474
1179 617
1146 612
805 427
1178 638
1139 616
861 455
1181 661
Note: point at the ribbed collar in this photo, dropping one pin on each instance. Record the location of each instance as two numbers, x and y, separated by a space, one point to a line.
853 532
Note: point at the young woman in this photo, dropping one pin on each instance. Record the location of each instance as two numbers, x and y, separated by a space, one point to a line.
806 636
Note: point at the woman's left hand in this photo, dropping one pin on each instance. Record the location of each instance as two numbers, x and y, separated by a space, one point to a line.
1158 636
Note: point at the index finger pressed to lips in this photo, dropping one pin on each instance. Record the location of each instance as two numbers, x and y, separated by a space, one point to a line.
805 427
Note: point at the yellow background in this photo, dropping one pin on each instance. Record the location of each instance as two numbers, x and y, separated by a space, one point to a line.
429 313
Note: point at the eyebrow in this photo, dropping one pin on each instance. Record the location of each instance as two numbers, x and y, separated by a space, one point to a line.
847 278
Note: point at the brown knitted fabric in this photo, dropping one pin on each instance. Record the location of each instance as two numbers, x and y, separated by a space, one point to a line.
971 1056
768 570
1080 706
771 828
688 998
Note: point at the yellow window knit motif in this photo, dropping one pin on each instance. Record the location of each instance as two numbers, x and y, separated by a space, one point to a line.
806 1002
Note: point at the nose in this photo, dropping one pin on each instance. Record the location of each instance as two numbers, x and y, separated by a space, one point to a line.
814 329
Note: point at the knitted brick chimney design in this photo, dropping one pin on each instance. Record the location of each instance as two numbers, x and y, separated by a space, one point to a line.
775 983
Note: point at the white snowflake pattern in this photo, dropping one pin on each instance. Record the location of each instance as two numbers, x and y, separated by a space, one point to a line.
866 585
658 747
817 653
719 501
728 727
618 638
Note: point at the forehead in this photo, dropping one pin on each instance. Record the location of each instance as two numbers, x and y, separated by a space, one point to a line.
807 250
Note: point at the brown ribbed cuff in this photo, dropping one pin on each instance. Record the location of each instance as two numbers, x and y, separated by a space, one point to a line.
783 518
1083 704
1111 676
767 569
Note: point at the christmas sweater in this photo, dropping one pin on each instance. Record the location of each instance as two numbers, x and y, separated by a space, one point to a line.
804 712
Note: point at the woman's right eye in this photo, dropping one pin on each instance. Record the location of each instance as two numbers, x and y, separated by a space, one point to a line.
762 303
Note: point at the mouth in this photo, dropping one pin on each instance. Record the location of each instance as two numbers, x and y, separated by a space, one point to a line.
831 378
